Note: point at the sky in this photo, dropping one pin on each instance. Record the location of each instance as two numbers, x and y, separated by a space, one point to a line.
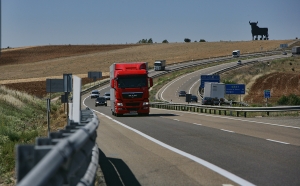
61 22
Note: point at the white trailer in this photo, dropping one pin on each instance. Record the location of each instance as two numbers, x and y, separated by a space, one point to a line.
214 90
236 53
296 50
159 65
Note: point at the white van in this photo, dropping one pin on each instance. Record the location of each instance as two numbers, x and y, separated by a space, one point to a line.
236 53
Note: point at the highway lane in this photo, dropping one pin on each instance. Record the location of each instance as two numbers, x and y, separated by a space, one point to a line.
191 82
237 148
260 153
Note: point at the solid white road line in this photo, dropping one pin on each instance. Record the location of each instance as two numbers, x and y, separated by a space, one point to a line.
227 130
212 167
278 141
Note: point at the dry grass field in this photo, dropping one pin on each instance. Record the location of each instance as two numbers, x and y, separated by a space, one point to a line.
54 61
27 68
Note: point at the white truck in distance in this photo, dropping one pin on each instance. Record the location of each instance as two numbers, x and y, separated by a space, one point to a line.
159 65
214 90
236 53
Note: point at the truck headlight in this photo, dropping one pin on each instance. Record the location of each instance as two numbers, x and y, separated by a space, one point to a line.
120 104
145 103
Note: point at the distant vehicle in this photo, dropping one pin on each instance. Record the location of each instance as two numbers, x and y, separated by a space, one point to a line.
239 62
236 53
107 95
182 93
95 94
207 101
284 53
214 90
194 98
296 50
100 101
159 65
216 101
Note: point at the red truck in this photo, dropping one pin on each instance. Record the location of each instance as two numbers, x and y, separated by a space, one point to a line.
129 88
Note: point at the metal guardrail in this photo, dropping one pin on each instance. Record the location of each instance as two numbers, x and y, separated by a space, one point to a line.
102 83
217 109
194 63
67 157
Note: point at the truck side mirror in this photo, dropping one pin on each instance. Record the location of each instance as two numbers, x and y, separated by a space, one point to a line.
150 81
112 83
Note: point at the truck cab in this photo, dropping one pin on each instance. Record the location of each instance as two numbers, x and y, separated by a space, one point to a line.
236 53
129 92
159 65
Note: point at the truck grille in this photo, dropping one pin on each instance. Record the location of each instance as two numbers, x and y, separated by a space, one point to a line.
133 109
131 95
133 104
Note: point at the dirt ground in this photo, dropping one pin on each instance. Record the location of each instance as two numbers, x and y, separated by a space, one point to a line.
52 61
279 84
27 68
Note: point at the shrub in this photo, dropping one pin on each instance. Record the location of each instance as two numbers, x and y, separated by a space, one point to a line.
187 40
291 99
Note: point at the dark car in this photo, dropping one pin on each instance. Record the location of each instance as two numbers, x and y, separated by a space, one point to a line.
194 98
100 101
207 101
182 93
95 94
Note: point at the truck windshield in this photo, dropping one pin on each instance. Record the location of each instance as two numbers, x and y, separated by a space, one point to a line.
157 64
132 81
234 53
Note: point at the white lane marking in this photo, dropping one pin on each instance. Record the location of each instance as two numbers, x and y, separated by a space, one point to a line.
193 85
227 130
210 166
197 124
176 119
224 117
278 141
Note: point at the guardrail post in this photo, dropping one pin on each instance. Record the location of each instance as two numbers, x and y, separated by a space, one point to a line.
215 111
210 111
225 112
237 113
268 113
245 114
219 112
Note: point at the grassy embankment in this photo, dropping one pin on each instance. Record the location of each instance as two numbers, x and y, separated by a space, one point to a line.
22 118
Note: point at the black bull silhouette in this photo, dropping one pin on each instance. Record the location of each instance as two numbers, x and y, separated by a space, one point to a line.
256 31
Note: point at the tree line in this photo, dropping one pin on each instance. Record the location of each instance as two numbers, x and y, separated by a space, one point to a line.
187 40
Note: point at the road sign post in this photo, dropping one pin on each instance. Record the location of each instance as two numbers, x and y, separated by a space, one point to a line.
267 95
208 78
235 89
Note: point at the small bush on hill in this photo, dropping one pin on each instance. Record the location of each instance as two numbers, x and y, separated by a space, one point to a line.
291 99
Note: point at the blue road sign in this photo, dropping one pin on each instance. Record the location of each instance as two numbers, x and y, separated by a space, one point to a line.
235 89
209 78
267 93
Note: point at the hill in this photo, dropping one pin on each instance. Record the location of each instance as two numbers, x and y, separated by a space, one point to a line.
53 61
34 64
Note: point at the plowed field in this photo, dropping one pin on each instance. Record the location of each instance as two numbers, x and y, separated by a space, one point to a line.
27 68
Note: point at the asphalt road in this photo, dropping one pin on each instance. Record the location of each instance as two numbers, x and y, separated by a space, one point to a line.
182 148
